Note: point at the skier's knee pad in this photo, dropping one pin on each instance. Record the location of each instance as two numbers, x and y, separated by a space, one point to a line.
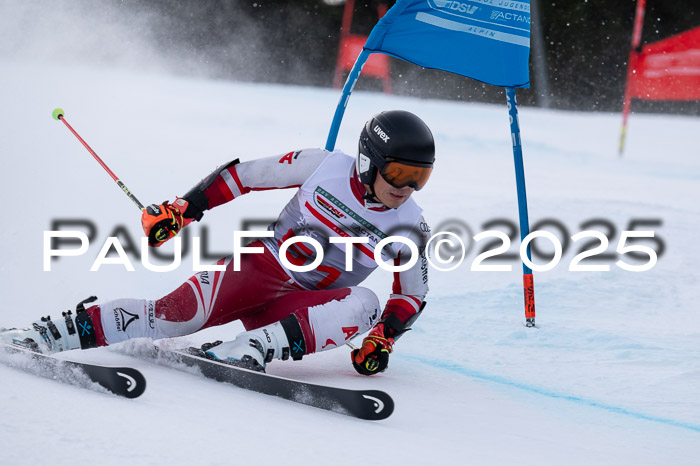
369 302
339 320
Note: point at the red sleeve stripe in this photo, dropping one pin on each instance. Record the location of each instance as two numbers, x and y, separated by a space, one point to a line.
406 302
231 183
234 184
402 312
237 179
218 193
396 287
416 300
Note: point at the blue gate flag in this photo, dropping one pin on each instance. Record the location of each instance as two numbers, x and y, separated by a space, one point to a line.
486 40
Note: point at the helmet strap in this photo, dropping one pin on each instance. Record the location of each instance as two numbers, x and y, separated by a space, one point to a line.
371 196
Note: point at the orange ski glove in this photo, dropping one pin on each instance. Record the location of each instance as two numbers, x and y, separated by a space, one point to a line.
373 356
163 221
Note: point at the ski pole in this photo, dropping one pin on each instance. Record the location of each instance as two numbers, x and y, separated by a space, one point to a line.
58 115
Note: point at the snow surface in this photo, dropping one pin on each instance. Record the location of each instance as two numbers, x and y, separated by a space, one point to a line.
610 376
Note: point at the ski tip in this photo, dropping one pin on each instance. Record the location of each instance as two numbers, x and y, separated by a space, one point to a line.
132 382
57 113
377 406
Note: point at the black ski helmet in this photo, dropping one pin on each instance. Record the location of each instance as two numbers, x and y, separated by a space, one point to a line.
394 135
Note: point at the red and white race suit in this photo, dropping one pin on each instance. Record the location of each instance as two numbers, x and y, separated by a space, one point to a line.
326 300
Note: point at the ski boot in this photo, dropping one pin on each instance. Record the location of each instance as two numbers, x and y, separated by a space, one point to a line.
255 348
71 331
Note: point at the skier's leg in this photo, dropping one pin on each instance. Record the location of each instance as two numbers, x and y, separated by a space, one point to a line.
330 323
110 322
206 299
309 321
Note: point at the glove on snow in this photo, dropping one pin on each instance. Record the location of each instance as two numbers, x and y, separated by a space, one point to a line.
162 222
373 356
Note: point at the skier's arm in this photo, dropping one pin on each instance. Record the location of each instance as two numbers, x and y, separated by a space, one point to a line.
238 178
227 182
408 294
402 309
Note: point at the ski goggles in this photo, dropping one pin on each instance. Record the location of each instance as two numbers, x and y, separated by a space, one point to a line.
402 174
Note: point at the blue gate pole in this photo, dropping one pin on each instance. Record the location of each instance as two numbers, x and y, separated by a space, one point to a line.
528 285
347 90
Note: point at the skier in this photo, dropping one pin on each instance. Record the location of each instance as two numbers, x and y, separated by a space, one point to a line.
286 313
